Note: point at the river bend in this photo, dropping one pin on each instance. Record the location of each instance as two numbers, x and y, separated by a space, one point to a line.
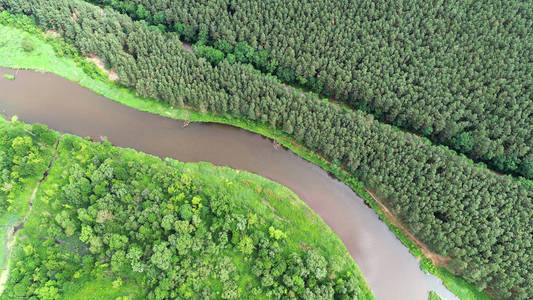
392 272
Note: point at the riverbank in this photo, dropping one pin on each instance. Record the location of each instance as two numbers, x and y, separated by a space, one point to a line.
269 203
44 58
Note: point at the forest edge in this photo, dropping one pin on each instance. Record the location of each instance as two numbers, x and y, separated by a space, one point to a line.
103 85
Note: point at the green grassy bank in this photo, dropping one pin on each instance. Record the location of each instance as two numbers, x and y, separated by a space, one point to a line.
50 243
45 56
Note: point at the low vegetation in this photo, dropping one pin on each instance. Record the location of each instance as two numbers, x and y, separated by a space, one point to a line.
433 296
119 223
459 209
25 153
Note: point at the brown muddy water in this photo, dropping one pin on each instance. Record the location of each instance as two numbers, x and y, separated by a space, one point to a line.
392 272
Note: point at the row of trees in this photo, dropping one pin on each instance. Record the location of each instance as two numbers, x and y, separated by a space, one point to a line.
458 72
459 209
121 216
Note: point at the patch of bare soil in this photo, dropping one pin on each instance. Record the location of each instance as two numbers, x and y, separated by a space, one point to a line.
186 46
111 74
74 15
438 260
53 33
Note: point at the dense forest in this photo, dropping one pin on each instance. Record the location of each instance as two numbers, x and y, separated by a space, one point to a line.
456 71
178 230
459 209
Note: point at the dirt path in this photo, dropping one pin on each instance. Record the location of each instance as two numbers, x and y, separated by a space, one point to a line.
9 244
111 74
438 260
12 231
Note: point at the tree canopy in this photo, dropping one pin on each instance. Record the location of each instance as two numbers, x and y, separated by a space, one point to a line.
459 209
169 230
446 69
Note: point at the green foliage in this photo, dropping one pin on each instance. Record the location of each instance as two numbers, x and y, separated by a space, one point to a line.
213 55
433 296
24 154
276 233
430 188
27 45
159 229
45 55
427 266
374 58
20 171
243 52
9 76
464 142
223 46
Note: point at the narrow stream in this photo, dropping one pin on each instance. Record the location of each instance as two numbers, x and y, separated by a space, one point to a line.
392 272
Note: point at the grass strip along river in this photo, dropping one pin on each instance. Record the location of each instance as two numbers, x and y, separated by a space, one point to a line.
390 269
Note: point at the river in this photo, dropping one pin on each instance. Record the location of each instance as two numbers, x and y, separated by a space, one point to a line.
391 271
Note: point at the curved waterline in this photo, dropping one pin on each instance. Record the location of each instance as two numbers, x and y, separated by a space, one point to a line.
392 272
